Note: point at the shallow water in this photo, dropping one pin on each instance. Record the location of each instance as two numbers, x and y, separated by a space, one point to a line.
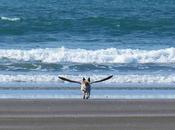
96 94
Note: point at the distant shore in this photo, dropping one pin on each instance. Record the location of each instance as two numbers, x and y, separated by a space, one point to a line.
77 114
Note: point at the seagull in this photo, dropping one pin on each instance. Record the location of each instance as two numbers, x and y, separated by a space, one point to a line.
85 84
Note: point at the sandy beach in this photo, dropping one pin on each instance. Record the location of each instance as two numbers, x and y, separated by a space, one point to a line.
77 114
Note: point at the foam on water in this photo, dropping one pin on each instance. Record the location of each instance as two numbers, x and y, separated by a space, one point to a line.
109 55
115 79
10 18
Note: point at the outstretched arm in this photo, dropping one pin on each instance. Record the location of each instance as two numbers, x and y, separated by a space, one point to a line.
65 79
102 79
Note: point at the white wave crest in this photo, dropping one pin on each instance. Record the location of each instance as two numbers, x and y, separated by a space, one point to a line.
110 55
115 79
10 19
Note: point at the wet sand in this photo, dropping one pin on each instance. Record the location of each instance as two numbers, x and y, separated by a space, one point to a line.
74 114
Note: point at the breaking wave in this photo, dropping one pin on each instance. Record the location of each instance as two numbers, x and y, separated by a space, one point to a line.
10 18
115 79
109 55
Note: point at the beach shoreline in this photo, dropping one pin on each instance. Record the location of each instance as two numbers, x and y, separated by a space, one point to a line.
76 114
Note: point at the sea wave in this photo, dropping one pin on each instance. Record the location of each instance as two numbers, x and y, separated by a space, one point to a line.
10 18
109 55
115 79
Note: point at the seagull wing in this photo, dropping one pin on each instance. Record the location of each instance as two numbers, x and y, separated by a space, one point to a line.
65 79
102 79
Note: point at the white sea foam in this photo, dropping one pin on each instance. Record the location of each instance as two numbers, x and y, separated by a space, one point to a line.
110 55
115 79
10 18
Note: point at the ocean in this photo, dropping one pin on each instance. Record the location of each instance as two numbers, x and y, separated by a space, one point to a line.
133 40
